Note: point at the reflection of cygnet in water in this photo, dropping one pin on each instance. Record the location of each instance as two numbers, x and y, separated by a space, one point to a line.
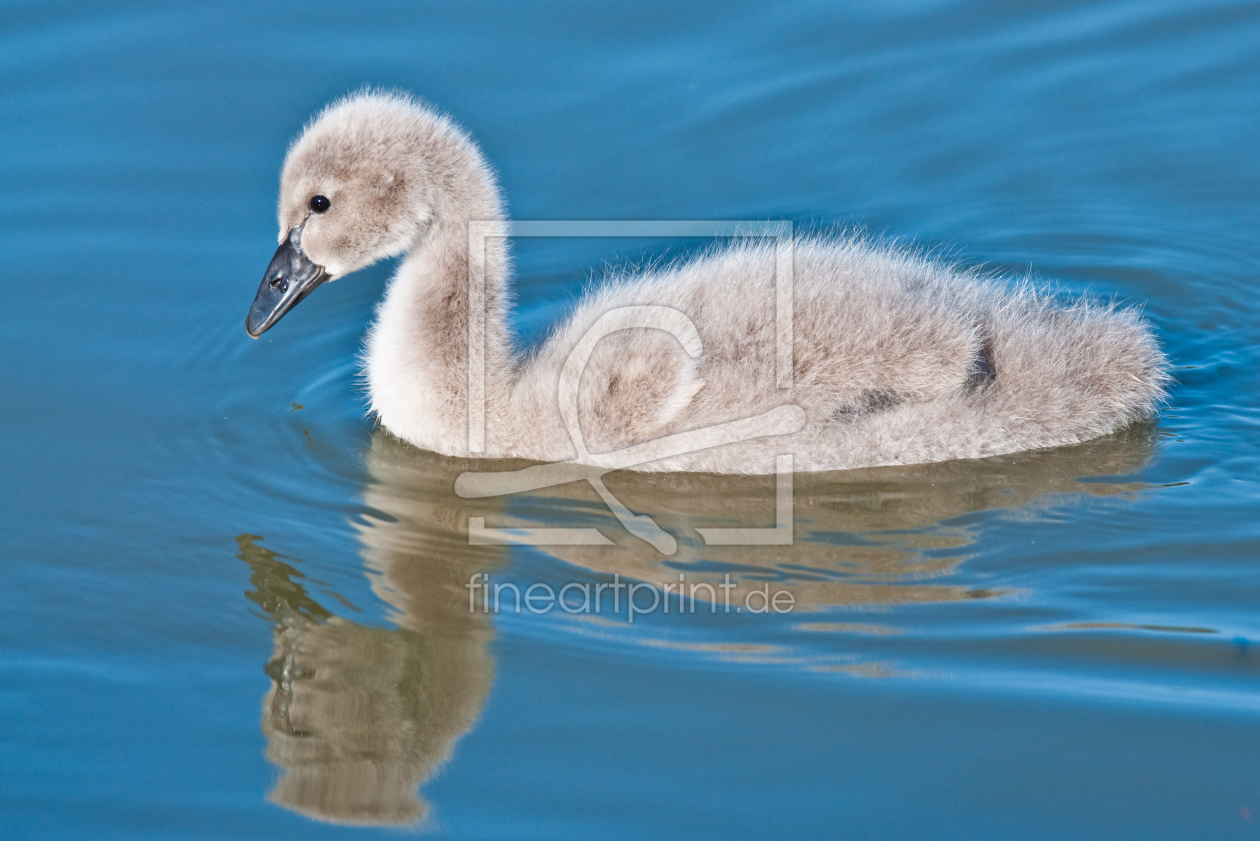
873 536
354 723
358 718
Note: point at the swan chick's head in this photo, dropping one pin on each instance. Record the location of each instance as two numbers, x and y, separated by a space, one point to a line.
356 188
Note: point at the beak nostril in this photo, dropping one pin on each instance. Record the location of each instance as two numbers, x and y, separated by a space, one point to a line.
290 277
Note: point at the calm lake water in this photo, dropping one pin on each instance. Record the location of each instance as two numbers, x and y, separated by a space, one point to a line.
232 609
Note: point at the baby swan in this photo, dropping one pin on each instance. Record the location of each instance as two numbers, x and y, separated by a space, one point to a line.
895 358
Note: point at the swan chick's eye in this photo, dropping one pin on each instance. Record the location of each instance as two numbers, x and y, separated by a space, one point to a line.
320 204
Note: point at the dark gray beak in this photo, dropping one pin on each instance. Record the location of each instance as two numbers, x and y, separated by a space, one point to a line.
290 278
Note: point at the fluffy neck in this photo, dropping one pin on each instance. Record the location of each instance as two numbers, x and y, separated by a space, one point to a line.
417 352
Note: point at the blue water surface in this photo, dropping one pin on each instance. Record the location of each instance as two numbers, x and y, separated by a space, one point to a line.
234 609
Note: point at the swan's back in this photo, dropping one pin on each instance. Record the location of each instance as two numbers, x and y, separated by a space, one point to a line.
897 359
